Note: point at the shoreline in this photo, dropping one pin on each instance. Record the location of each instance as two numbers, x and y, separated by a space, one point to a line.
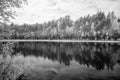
25 40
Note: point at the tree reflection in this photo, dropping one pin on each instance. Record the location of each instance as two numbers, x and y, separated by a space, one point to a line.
97 55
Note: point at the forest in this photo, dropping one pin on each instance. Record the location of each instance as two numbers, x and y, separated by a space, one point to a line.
99 26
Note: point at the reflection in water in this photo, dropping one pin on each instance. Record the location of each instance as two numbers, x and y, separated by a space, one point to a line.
97 55
68 61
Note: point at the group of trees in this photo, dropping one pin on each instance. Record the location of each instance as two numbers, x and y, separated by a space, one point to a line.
7 11
9 69
95 27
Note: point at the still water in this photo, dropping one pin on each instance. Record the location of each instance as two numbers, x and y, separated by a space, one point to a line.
69 61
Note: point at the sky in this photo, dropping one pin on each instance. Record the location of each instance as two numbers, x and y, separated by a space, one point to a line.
38 11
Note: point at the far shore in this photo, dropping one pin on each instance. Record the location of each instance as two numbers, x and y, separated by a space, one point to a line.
58 40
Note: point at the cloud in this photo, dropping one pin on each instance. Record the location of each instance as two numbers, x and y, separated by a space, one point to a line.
44 10
52 3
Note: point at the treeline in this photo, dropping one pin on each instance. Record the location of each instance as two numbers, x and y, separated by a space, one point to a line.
94 27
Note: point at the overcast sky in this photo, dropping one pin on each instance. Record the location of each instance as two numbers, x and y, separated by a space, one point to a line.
38 11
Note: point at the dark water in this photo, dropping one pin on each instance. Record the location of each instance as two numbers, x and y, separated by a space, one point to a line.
70 61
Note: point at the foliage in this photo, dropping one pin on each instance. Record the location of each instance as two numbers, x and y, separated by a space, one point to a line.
9 69
7 11
98 26
6 8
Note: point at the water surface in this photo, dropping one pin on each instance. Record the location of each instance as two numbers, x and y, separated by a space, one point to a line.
69 61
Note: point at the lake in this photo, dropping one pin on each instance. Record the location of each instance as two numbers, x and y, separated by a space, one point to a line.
69 61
